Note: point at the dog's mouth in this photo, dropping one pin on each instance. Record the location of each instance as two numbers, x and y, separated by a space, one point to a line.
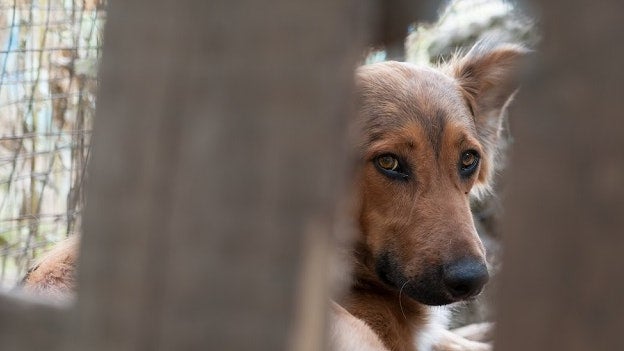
439 284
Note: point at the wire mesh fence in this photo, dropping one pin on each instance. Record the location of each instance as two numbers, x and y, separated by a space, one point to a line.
49 50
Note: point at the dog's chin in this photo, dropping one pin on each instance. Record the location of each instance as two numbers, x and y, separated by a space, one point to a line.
426 288
427 296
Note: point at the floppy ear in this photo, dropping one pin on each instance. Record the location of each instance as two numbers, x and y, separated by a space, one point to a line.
487 77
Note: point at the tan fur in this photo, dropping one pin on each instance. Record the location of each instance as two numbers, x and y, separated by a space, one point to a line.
54 275
350 333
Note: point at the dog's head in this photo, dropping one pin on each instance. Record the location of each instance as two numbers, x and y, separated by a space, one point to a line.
428 142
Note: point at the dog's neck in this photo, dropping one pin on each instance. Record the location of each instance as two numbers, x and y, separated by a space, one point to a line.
393 316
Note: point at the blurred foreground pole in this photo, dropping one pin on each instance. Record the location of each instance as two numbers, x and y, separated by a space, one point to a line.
27 324
562 287
219 145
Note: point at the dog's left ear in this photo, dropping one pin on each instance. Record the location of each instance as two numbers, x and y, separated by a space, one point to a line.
488 78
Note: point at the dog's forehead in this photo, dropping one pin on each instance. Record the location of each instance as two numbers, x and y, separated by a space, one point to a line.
406 90
394 96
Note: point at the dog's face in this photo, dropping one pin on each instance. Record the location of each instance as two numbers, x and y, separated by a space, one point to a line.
428 141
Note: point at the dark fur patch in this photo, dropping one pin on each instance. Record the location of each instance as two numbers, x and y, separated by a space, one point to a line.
434 129
426 288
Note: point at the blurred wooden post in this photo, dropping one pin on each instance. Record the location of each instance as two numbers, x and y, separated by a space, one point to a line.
30 325
219 143
562 284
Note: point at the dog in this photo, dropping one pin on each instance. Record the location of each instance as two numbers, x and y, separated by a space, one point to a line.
54 274
427 143
428 140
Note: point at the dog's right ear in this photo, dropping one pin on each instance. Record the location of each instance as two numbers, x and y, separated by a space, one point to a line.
488 78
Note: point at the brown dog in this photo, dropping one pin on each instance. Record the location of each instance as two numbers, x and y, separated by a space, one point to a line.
428 143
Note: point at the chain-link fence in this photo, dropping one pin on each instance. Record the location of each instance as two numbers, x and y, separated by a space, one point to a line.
49 51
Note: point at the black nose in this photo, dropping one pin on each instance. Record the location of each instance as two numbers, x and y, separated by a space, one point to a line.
465 278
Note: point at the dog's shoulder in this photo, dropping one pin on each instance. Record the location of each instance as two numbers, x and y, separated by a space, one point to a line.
349 333
54 275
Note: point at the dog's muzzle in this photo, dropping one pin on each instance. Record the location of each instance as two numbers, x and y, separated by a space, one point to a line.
439 284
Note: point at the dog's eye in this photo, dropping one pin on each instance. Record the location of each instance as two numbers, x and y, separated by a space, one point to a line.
388 163
390 166
468 163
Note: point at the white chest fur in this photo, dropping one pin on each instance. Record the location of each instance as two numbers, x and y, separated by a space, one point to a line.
434 330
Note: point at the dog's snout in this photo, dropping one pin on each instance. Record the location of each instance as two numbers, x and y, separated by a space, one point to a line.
465 278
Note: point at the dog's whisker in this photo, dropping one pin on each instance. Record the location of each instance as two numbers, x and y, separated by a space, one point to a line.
400 302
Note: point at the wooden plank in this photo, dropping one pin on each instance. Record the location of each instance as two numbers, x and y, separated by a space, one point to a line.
28 324
562 286
219 142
